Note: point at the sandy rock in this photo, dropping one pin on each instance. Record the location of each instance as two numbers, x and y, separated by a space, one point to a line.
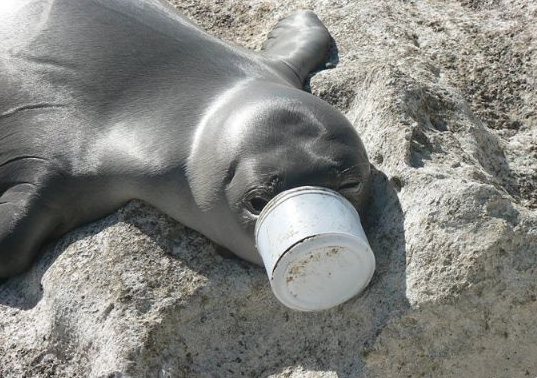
444 97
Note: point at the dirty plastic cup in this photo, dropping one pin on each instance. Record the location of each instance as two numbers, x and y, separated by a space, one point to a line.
314 248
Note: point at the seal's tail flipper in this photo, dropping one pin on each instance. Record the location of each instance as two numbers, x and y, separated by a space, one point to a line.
301 41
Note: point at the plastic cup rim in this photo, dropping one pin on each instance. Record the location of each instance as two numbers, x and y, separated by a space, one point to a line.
290 193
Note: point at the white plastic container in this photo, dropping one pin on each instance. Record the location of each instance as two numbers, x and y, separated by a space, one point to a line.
314 248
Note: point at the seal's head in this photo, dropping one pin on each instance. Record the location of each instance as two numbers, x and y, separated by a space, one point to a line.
265 139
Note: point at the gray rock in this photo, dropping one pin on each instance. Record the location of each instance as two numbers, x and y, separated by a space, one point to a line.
444 96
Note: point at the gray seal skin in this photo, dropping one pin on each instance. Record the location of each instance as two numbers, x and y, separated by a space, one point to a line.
104 101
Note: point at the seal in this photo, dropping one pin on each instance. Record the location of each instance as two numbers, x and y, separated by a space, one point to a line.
104 101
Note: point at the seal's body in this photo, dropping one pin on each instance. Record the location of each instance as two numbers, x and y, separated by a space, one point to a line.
103 101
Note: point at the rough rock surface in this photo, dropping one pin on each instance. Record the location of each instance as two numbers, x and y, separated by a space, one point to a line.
444 96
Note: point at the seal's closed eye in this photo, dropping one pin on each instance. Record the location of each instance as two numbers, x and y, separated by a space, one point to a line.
351 185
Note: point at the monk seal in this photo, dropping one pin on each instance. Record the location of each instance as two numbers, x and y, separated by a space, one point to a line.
104 101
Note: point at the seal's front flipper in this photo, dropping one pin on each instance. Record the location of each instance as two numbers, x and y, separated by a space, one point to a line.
26 219
300 41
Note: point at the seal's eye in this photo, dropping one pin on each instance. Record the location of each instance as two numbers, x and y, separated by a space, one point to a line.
256 200
351 185
256 204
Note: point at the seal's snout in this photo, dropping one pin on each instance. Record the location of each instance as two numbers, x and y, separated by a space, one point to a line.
314 248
